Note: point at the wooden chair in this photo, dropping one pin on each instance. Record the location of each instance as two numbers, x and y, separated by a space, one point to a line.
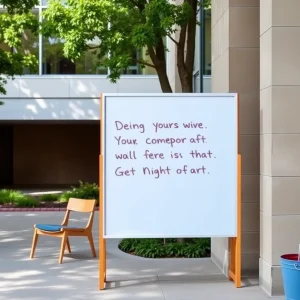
63 231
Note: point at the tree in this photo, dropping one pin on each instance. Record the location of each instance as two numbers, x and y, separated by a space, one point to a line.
16 18
123 25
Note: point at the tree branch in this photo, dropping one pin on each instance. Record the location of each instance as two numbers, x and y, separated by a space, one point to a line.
181 47
160 51
143 63
173 40
134 3
141 7
152 54
92 48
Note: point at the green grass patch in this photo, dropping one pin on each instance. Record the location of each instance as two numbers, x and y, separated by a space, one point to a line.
159 248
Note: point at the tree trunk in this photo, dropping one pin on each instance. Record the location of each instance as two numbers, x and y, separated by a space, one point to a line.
186 78
164 80
190 48
186 81
186 50
158 58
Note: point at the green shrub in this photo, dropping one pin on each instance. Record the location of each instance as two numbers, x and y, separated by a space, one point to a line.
83 191
26 202
128 245
64 197
10 196
49 197
156 248
199 248
17 198
176 249
151 248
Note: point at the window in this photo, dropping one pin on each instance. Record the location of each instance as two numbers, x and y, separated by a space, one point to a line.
54 61
207 43
202 61
136 68
49 52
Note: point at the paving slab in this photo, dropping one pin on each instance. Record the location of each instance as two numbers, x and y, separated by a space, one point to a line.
129 277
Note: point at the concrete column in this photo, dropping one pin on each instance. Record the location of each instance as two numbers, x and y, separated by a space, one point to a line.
235 68
280 137
172 61
172 66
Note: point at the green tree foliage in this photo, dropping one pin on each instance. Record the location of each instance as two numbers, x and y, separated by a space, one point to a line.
124 25
16 18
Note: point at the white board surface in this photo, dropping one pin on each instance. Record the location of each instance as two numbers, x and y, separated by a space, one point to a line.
170 165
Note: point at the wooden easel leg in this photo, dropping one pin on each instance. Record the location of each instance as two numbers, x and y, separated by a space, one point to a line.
238 240
102 266
232 261
238 263
235 243
104 260
102 241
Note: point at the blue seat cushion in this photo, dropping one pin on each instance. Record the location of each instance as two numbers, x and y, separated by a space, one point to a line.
52 228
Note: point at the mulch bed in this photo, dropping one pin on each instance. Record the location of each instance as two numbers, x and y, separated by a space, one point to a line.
42 206
48 204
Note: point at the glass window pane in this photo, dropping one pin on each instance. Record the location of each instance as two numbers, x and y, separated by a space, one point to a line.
197 48
54 61
89 64
197 83
145 57
207 43
136 68
45 2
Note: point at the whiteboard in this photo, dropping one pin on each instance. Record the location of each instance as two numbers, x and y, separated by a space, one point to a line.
170 165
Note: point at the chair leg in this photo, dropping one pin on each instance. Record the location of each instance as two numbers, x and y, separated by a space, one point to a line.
91 241
34 243
68 245
62 247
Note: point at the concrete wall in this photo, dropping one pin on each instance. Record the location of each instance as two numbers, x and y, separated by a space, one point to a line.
235 68
56 154
280 137
77 86
66 97
50 109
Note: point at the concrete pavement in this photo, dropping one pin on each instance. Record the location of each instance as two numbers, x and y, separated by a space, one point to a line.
129 277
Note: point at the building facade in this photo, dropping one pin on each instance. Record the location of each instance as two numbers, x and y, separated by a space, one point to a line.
49 125
235 68
255 52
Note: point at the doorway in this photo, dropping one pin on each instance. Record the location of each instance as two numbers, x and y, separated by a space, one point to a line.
6 155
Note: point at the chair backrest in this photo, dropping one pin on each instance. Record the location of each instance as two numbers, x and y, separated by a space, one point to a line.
81 205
